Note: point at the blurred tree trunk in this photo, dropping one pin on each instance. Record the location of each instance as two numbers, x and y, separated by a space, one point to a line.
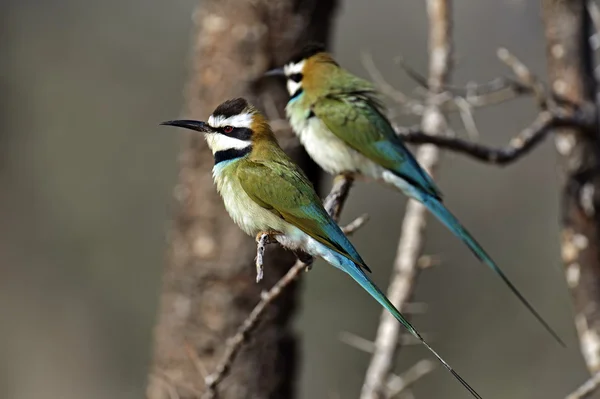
570 68
209 283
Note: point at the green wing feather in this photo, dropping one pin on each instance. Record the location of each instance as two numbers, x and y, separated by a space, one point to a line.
280 187
356 118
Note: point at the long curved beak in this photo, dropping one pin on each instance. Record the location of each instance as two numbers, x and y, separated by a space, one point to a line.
275 72
190 124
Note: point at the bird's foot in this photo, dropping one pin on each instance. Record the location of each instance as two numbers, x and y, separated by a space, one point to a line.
306 259
262 239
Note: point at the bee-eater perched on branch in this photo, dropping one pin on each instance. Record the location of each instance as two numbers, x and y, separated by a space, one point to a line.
340 121
265 192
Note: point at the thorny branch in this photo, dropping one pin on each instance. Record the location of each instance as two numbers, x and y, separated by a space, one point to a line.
410 245
333 204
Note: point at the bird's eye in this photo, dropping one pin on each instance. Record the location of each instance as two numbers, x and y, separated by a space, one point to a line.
228 129
296 77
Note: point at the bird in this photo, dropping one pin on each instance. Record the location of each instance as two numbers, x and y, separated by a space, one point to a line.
264 191
340 120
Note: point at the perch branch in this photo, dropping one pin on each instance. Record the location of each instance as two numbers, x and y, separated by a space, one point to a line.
406 268
519 146
399 383
587 388
333 204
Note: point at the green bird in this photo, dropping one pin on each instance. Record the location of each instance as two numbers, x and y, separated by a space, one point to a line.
340 121
265 192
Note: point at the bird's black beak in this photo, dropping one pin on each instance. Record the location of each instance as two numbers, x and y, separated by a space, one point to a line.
190 124
275 72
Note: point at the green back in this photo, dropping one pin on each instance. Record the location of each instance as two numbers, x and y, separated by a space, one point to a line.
353 113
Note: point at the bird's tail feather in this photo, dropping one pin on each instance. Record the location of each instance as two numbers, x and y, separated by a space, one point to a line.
361 278
449 220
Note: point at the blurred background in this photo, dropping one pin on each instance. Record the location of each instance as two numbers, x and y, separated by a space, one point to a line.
86 177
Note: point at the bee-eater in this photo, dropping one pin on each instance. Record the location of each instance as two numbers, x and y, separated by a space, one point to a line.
339 119
265 192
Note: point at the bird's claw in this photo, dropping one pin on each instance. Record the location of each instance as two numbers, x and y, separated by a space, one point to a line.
262 239
306 259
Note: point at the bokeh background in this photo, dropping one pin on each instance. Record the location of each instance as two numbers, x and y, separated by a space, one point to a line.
86 180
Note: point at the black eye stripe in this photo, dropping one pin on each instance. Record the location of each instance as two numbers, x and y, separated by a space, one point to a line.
240 133
296 77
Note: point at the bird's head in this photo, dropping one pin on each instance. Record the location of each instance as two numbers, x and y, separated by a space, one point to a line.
231 130
304 68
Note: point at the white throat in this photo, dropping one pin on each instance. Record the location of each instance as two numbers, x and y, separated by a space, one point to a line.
291 69
219 142
293 87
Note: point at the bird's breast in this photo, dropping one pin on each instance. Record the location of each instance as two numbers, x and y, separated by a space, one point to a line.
331 153
247 214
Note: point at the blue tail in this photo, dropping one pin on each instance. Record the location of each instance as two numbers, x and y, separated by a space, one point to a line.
361 278
443 214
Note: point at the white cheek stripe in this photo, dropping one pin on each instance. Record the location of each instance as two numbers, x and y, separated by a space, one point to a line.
241 120
290 69
219 142
292 86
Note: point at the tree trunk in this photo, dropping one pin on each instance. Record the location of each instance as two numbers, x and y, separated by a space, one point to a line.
209 284
567 30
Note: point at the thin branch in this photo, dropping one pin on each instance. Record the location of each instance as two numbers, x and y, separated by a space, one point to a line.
524 75
412 105
518 146
410 245
399 383
475 95
466 115
333 204
364 345
550 117
587 388
356 224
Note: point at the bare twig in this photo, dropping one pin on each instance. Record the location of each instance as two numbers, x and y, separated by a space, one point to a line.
412 105
550 117
524 75
474 95
466 115
356 224
193 355
587 388
367 346
333 204
519 146
235 343
399 383
410 245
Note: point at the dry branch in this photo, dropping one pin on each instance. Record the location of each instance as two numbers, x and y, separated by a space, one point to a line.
333 204
587 388
551 116
406 267
519 146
